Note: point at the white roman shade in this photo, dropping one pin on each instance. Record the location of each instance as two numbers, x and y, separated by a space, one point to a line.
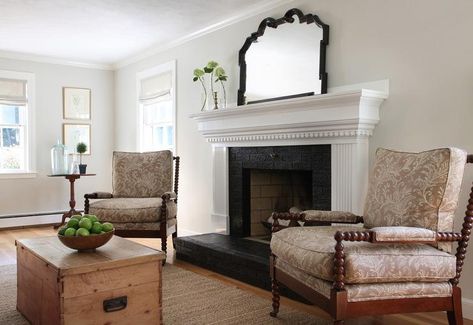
12 91
156 88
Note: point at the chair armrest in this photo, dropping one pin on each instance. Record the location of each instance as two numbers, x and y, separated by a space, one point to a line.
369 236
293 219
411 235
98 195
93 196
403 235
331 216
169 196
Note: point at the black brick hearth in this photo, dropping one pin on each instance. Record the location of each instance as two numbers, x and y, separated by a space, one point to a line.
239 258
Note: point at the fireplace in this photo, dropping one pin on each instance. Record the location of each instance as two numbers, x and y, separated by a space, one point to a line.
341 121
276 178
315 147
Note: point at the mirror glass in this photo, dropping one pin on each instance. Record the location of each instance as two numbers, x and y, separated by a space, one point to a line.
284 62
284 58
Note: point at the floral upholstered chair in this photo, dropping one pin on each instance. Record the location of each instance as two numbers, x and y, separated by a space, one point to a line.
143 202
400 260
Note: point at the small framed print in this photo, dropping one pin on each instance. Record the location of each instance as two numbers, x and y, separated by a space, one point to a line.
76 102
73 134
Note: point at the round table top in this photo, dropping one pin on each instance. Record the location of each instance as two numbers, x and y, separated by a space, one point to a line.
66 175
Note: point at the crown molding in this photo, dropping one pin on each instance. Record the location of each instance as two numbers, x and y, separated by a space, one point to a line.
239 16
53 60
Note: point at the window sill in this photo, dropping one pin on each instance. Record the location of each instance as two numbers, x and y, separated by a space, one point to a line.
18 175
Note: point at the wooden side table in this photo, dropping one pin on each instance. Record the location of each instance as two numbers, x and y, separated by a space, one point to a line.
119 283
72 202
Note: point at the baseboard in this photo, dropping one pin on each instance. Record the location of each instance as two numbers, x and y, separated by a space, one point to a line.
30 221
186 232
467 308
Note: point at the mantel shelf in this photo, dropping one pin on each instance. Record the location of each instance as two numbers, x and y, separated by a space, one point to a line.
339 117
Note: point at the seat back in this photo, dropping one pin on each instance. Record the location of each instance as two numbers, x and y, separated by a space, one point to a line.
146 174
415 189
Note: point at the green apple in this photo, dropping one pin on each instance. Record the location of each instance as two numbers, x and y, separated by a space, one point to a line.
96 228
82 232
93 218
77 216
85 223
107 226
62 231
70 232
73 223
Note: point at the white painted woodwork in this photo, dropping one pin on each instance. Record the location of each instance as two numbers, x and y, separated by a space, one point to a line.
344 119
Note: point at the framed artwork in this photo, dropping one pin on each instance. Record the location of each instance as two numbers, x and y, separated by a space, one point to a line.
72 134
76 102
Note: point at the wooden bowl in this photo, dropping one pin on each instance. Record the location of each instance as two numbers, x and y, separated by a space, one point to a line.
86 243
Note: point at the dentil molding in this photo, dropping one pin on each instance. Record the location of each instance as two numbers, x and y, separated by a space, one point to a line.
341 117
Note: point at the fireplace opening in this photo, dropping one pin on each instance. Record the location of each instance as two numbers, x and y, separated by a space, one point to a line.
275 190
263 180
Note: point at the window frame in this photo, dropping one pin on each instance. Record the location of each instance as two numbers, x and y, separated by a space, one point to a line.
159 69
30 145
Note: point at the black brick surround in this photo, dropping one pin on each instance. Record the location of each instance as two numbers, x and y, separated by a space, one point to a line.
315 158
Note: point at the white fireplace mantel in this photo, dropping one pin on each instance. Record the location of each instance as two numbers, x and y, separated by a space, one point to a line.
331 118
344 119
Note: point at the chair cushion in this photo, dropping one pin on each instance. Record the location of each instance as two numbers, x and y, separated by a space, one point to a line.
331 216
415 189
146 174
131 210
403 234
311 249
371 291
143 225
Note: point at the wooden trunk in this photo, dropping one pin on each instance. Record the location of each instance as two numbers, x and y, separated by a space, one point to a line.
119 283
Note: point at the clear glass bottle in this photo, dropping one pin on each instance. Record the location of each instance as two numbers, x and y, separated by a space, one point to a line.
73 164
59 159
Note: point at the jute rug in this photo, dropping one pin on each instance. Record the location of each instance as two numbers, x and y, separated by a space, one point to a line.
188 298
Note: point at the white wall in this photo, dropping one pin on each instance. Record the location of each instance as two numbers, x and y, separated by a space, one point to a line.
423 47
44 194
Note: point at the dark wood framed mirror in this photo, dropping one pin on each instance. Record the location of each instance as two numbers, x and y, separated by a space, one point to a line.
288 62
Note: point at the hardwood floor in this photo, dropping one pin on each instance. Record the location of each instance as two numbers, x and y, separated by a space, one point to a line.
8 256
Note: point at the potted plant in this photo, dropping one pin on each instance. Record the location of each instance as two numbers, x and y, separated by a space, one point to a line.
81 149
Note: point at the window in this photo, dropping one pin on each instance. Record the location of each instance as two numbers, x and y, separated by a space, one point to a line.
16 91
156 105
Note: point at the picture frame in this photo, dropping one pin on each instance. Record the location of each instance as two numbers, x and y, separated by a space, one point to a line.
76 103
73 133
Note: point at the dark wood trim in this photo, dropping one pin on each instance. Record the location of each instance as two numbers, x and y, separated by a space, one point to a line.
396 306
138 233
303 290
177 163
274 286
466 233
455 316
274 23
295 217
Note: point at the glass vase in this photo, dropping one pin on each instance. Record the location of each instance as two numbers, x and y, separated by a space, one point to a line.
221 95
211 93
73 164
59 161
